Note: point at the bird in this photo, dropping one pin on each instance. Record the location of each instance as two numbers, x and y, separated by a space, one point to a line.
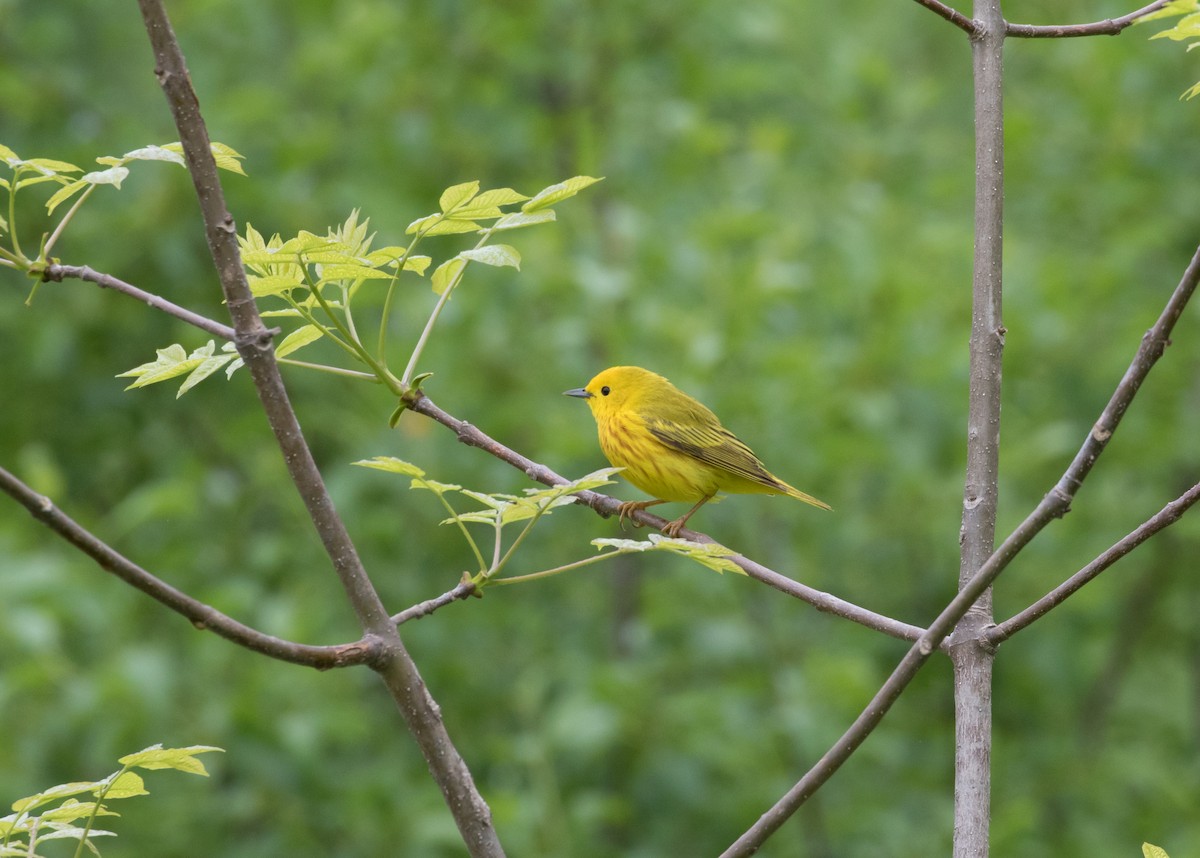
671 446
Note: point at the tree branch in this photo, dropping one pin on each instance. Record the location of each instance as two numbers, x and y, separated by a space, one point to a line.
607 506
424 609
1163 519
874 712
1153 345
1107 27
202 616
57 273
973 662
397 669
958 19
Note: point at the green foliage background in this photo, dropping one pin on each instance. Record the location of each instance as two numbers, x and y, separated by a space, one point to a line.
785 231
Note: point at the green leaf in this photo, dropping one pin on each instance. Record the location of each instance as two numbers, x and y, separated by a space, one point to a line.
126 785
455 196
203 371
290 312
354 234
298 339
392 465
112 176
588 481
557 193
417 264
1175 7
75 833
180 759
173 361
227 159
439 224
351 271
150 153
709 554
275 284
8 155
474 212
224 156
1149 850
23 805
71 810
499 196
516 220
64 193
494 254
434 486
447 274
389 257
48 166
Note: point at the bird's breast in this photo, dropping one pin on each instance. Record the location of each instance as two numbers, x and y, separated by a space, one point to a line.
650 465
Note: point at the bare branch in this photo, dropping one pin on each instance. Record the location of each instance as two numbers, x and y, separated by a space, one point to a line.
958 19
931 640
57 273
1163 519
396 668
202 616
1107 27
607 506
424 609
1154 343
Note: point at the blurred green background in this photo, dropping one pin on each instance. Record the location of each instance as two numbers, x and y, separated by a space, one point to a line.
785 232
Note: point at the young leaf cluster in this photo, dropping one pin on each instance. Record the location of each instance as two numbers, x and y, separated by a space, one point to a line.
1187 29
38 171
64 816
323 283
497 511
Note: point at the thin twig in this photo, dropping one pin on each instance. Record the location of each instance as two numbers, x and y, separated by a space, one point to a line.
1107 27
1154 343
58 273
958 19
1163 519
424 609
607 506
202 616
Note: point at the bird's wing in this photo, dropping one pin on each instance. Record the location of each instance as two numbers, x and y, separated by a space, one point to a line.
713 445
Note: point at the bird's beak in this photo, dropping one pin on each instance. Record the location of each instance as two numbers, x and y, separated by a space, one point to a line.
578 391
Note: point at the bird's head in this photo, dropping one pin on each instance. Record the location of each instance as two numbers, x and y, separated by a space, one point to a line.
619 387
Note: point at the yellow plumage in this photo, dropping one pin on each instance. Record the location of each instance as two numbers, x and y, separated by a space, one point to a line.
671 446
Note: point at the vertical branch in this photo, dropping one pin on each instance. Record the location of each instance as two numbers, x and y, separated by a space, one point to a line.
395 666
972 659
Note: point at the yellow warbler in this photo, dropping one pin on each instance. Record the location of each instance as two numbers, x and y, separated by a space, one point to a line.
671 446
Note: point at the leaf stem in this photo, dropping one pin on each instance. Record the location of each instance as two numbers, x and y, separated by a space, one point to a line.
333 370
406 378
546 573
62 224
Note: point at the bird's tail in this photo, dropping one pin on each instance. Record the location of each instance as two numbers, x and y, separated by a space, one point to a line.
794 492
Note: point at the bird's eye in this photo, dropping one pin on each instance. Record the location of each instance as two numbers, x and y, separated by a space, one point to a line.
604 391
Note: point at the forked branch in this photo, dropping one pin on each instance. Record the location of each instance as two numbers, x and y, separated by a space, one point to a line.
1161 520
202 616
